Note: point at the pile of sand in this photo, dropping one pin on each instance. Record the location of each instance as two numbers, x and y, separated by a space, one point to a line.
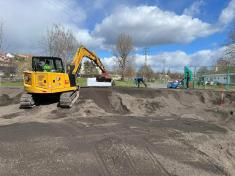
149 102
196 104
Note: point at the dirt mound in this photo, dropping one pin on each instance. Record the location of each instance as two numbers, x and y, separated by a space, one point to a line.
141 102
156 102
6 100
10 96
102 102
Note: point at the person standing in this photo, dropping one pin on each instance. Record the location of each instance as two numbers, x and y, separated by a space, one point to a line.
187 79
139 80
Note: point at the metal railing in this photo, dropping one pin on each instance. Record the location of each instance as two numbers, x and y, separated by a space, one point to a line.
203 77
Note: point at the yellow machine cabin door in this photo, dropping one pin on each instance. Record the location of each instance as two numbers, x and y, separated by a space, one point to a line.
57 81
50 82
41 80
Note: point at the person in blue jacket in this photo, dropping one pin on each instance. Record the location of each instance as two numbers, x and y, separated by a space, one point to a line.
139 80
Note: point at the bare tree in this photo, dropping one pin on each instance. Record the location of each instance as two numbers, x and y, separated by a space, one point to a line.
60 42
90 68
229 53
123 48
146 71
1 35
131 68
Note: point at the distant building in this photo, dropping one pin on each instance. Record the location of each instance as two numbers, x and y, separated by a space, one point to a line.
4 60
219 78
6 64
9 55
24 56
222 62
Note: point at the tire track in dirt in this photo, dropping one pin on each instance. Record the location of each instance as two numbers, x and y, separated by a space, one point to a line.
158 167
117 136
136 153
114 158
100 155
101 163
131 160
210 160
205 162
156 162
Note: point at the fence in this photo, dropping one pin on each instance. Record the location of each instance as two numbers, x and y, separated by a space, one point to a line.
203 77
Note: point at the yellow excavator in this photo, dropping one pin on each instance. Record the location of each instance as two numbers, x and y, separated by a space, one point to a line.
57 81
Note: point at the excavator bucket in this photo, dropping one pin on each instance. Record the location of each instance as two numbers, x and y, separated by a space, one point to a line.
103 79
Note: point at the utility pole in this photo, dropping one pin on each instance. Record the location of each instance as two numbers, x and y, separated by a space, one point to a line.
145 61
146 56
164 66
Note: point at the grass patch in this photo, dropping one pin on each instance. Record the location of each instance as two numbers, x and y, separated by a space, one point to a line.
126 83
82 82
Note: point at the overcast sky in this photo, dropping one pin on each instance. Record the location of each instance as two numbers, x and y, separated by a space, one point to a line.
176 32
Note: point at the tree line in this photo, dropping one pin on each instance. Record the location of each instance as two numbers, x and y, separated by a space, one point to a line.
62 42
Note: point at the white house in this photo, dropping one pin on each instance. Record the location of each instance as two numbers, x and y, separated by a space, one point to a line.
220 78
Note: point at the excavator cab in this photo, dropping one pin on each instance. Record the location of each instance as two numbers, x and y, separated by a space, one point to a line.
54 63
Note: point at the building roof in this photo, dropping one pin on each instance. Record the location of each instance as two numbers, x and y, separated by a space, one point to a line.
27 56
10 55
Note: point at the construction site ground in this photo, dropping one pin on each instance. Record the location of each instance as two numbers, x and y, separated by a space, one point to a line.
120 131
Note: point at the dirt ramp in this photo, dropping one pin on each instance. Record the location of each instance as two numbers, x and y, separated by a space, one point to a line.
10 95
120 100
102 102
100 96
129 101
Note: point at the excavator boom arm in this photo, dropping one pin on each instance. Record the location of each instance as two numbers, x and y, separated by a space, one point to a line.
84 52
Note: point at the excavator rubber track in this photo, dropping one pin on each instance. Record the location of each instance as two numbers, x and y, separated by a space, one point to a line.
27 101
67 99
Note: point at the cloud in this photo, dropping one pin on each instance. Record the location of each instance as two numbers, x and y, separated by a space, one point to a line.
206 57
26 24
194 9
228 14
109 62
149 25
85 38
178 59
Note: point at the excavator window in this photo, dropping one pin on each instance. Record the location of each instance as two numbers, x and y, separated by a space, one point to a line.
55 64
